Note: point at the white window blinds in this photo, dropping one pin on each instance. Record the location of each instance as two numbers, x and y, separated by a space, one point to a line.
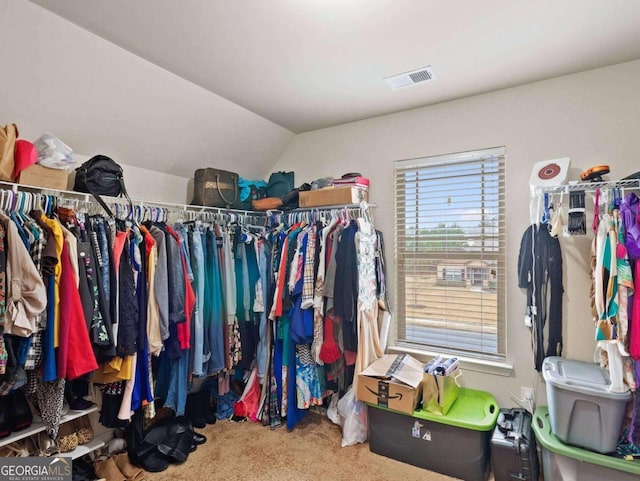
450 253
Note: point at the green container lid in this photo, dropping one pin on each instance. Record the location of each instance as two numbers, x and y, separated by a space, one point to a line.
542 429
475 410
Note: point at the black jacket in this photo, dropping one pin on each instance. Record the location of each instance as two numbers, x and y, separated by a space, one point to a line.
540 272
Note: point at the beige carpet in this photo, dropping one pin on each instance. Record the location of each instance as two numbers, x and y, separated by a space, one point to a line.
311 452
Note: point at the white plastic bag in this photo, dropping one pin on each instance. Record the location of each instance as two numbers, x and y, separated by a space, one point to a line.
53 152
353 417
332 410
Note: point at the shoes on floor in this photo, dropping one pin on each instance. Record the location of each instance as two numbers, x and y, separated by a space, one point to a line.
199 438
177 444
195 410
210 406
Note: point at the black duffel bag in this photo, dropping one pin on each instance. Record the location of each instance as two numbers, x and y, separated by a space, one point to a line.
101 175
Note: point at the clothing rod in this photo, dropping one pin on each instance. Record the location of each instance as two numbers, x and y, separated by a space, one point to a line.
331 207
84 197
81 196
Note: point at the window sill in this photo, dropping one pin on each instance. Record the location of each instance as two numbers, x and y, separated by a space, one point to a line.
466 363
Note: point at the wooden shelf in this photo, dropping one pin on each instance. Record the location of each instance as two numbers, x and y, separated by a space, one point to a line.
38 426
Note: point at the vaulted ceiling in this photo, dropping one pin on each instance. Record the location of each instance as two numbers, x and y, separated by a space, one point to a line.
204 81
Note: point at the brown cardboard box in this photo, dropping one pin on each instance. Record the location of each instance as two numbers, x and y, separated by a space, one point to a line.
394 381
39 176
333 196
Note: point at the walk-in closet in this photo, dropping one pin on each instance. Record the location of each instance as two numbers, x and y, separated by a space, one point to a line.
302 240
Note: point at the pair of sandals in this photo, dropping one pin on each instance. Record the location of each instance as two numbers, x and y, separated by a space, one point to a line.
74 433
39 444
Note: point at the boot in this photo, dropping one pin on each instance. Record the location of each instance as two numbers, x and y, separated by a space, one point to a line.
210 406
194 410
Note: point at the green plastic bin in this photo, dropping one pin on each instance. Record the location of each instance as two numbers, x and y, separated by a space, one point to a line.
561 462
456 444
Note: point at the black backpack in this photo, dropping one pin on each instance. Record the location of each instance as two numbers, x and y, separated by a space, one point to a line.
100 175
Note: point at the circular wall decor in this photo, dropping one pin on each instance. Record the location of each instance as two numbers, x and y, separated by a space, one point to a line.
549 171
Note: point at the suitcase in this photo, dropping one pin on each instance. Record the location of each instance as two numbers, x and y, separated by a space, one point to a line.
513 447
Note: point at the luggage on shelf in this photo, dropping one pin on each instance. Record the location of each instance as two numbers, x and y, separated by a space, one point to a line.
216 188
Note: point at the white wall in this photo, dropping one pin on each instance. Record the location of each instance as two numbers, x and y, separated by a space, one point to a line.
592 117
101 98
149 185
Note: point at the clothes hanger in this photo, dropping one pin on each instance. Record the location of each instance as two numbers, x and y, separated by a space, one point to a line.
10 199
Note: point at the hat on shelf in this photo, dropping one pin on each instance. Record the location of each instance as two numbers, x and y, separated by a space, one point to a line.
25 156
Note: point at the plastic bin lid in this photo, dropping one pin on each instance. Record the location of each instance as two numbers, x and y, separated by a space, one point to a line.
542 429
475 410
579 376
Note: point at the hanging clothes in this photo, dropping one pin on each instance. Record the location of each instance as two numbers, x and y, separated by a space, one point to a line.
25 292
369 348
154 332
198 268
56 240
346 286
215 321
75 354
200 298
540 273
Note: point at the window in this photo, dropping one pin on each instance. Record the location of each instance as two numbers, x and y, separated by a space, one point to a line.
479 275
450 253
450 274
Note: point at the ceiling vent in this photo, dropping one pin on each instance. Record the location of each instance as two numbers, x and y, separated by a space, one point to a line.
408 79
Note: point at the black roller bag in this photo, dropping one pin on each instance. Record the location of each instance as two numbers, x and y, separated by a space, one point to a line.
513 447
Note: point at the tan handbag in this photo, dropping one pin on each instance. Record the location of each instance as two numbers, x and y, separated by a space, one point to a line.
8 136
216 188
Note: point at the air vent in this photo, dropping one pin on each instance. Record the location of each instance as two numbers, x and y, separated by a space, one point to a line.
408 79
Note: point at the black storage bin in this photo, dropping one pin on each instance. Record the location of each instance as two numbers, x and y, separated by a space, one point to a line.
456 444
513 447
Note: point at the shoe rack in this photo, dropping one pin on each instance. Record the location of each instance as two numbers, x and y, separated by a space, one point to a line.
38 426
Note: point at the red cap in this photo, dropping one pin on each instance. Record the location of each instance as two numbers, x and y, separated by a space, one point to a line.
25 156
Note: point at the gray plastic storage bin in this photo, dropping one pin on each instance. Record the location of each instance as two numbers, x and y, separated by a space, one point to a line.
582 410
561 462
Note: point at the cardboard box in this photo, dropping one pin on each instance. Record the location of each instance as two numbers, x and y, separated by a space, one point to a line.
394 381
39 176
333 196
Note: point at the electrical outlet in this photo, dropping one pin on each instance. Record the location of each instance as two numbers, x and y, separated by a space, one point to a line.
526 393
527 397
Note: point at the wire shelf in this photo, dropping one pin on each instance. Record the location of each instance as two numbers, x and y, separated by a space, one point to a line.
588 186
